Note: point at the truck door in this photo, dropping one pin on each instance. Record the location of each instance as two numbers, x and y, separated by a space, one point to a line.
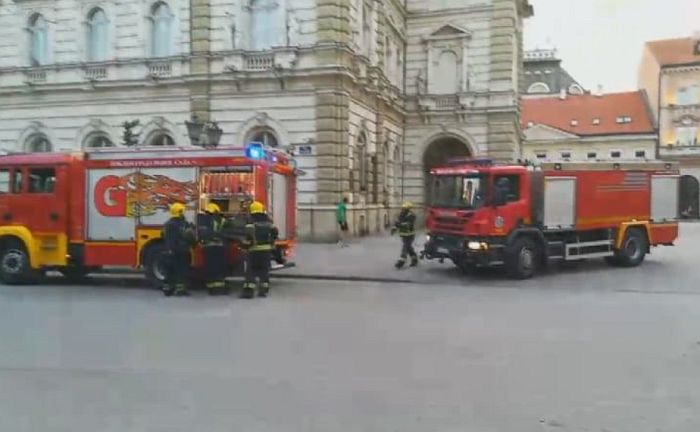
44 199
277 193
512 206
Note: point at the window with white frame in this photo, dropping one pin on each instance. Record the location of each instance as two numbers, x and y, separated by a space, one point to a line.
161 139
541 155
98 140
538 88
592 155
615 154
640 154
38 40
161 31
264 28
566 155
97 38
263 136
688 95
686 136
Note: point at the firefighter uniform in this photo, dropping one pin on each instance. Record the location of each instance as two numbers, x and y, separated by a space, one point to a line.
259 241
405 225
210 225
178 237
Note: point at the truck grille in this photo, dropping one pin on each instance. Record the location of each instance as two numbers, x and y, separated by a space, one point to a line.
453 224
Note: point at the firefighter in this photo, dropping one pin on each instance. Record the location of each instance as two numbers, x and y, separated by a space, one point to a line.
259 241
210 228
405 225
178 237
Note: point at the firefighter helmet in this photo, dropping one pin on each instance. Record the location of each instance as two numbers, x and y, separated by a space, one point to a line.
213 208
407 205
257 207
177 209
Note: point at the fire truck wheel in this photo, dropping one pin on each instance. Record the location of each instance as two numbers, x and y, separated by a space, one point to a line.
634 248
522 258
14 263
154 262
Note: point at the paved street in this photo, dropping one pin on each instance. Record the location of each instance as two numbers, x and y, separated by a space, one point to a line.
588 348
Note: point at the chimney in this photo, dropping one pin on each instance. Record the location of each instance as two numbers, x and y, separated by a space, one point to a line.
599 91
562 94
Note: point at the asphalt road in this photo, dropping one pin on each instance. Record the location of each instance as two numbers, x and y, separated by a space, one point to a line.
589 348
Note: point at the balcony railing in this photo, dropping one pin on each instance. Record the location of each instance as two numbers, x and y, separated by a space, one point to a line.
95 73
259 62
37 76
446 102
160 70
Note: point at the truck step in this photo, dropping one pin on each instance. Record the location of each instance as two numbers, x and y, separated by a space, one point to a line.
589 249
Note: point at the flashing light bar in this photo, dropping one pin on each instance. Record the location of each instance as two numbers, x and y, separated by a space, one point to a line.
255 150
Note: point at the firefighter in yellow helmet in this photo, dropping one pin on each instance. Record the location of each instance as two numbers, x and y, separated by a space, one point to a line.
179 238
260 236
406 226
209 226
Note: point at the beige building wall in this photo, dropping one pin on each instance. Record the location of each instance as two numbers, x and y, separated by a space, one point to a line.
580 149
648 80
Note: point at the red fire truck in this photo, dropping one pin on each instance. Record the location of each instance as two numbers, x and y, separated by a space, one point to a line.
523 217
78 212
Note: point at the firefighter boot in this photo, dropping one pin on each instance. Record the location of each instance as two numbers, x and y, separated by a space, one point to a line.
414 261
248 291
399 264
264 289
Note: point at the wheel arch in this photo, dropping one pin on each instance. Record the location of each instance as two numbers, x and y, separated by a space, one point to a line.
532 233
24 236
626 226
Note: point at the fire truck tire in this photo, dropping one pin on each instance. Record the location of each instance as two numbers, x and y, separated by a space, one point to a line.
633 249
522 258
154 263
14 263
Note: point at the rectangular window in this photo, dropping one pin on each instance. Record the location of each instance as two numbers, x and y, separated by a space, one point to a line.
688 95
4 181
596 121
17 182
591 155
510 185
566 155
541 155
686 136
640 154
42 180
615 154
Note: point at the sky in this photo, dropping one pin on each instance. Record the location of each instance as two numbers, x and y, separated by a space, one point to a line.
600 41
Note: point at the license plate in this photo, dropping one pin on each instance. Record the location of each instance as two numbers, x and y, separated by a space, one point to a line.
442 250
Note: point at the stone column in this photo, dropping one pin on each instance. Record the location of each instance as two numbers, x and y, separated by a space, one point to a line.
200 17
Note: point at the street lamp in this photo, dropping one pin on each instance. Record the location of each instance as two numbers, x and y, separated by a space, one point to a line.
212 132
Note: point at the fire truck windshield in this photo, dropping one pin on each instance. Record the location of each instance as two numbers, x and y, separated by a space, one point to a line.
458 191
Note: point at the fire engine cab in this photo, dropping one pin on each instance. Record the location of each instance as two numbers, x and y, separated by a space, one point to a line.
78 212
524 216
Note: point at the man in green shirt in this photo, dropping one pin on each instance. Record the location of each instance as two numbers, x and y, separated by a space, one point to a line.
341 216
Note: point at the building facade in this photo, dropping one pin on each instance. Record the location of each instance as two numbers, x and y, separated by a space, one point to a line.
608 127
544 74
366 93
670 73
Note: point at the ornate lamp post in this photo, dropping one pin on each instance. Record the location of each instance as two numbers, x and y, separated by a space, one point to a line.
211 130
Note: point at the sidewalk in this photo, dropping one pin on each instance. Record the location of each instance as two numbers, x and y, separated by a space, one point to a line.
366 259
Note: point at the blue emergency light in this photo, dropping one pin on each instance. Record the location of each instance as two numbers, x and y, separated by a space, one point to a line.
255 151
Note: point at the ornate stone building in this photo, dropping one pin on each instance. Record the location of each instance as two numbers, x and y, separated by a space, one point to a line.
368 93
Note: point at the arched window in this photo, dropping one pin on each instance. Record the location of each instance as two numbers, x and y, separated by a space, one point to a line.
38 143
388 167
38 40
161 31
97 35
361 161
396 161
161 139
98 140
264 136
538 88
264 27
575 89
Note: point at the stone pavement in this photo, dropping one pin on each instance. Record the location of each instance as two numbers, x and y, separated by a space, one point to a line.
366 259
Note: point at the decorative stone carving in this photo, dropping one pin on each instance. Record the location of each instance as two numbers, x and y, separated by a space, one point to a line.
293 29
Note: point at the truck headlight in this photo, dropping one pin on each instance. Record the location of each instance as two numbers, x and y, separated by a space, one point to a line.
473 245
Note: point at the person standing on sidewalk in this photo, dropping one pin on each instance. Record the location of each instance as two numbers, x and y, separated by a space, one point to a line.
259 242
178 236
406 226
341 216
